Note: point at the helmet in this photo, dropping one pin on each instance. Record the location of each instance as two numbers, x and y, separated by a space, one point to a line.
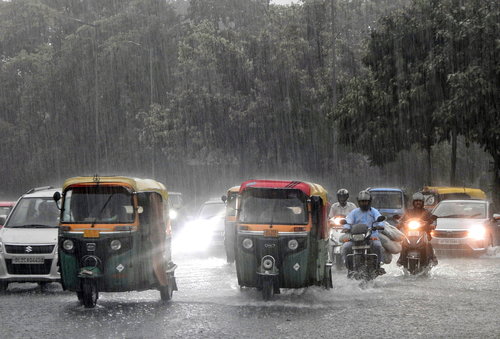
364 196
418 196
342 196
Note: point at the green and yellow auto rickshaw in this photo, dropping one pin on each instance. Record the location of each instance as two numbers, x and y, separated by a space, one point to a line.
230 223
114 236
282 239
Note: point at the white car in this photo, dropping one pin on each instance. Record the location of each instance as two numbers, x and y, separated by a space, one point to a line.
465 226
28 240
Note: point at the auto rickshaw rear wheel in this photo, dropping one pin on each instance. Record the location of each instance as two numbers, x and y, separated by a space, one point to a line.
89 293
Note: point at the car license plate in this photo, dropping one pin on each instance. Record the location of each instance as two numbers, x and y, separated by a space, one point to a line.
270 233
448 242
413 233
91 234
28 260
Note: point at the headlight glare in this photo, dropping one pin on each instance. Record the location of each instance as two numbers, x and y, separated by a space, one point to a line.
477 231
413 225
116 245
68 244
247 243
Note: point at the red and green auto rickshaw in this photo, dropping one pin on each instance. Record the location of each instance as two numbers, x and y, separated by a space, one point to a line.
282 236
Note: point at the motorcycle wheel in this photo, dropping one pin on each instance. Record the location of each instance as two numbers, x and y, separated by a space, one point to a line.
89 294
412 267
267 289
339 263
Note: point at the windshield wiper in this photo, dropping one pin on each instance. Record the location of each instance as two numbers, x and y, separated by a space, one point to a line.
32 226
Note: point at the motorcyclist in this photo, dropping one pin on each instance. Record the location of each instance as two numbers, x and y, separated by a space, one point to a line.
419 212
342 207
367 215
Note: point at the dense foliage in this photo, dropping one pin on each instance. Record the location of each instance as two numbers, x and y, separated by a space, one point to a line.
204 94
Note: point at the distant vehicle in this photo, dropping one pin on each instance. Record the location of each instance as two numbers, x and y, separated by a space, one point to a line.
389 202
5 208
206 231
433 195
230 222
28 240
465 226
177 217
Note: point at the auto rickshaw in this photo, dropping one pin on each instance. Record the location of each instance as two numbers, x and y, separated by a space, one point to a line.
230 223
114 236
433 195
282 239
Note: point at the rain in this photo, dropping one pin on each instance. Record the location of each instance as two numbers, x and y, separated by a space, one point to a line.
203 95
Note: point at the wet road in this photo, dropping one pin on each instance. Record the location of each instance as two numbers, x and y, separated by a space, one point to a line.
458 300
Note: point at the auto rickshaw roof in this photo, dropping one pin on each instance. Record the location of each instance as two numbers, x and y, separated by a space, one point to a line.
473 192
139 185
234 189
307 187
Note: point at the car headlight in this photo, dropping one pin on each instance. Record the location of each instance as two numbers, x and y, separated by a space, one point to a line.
116 245
477 231
247 243
1 247
413 225
68 244
293 244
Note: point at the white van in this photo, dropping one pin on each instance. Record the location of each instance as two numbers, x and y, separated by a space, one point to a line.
28 240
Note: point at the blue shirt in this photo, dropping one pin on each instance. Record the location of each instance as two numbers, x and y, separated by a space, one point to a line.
359 216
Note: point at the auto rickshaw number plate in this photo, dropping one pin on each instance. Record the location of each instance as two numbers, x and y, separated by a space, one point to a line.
413 233
270 233
91 234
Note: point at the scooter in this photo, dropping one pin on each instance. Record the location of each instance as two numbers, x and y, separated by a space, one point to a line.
334 242
415 247
362 263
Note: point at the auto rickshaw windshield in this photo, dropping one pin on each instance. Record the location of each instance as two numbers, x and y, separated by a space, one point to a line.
273 205
102 204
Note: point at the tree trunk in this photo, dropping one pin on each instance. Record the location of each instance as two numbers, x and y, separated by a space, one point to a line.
453 179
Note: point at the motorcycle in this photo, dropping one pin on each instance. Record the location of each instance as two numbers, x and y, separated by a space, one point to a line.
335 243
415 247
362 263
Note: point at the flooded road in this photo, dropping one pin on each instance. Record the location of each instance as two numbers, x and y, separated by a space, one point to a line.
458 300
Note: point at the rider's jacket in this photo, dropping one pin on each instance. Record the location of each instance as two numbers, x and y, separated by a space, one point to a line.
338 209
359 216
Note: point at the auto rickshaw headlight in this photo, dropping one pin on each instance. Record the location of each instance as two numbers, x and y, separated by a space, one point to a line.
116 245
68 244
293 244
247 243
173 214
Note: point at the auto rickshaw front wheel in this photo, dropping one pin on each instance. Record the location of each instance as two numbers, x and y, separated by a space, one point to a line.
89 293
267 289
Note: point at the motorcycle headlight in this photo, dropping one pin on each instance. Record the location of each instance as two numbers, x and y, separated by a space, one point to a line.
293 244
68 244
413 225
116 245
336 221
247 243
477 231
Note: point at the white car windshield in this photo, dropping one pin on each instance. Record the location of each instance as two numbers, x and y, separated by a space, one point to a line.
34 213
452 209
